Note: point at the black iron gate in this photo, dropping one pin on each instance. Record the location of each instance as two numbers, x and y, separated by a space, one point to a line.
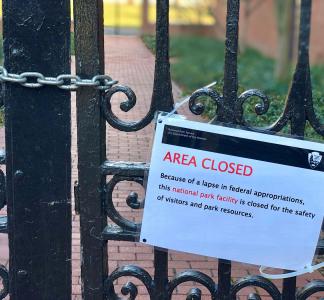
97 205
38 165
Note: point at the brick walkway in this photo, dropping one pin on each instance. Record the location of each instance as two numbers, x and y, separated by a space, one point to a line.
128 60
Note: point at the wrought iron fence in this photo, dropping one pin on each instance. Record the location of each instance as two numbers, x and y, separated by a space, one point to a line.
94 192
297 112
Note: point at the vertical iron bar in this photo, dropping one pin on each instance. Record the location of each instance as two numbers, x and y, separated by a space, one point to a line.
289 289
38 150
162 99
161 272
300 93
301 90
224 279
226 113
89 42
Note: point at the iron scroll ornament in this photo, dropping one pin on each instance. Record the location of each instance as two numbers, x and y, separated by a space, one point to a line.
125 106
310 289
129 288
261 108
198 108
255 281
122 171
132 201
193 276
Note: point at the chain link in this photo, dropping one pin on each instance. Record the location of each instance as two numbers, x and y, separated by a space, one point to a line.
67 82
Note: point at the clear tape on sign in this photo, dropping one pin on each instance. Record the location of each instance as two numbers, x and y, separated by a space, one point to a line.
184 101
307 269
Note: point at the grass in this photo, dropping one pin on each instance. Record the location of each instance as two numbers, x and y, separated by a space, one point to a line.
197 61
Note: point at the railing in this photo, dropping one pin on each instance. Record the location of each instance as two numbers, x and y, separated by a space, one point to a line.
95 232
95 194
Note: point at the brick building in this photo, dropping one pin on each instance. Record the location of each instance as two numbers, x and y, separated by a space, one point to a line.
259 29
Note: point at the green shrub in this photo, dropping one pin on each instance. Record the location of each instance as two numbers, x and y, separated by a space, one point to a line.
197 61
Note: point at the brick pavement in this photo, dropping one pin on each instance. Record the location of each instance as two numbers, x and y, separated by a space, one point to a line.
128 60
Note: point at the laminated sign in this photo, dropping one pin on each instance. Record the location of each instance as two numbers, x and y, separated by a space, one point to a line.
234 194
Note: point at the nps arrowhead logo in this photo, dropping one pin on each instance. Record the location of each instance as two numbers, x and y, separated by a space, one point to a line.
314 159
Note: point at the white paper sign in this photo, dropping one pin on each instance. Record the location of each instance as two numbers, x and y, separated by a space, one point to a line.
234 194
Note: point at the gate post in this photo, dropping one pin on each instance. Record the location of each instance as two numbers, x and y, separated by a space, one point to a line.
38 150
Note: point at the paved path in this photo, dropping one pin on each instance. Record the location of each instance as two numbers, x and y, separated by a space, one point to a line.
128 60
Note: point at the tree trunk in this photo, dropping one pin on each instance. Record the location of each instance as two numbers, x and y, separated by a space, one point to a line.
285 11
145 20
244 27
